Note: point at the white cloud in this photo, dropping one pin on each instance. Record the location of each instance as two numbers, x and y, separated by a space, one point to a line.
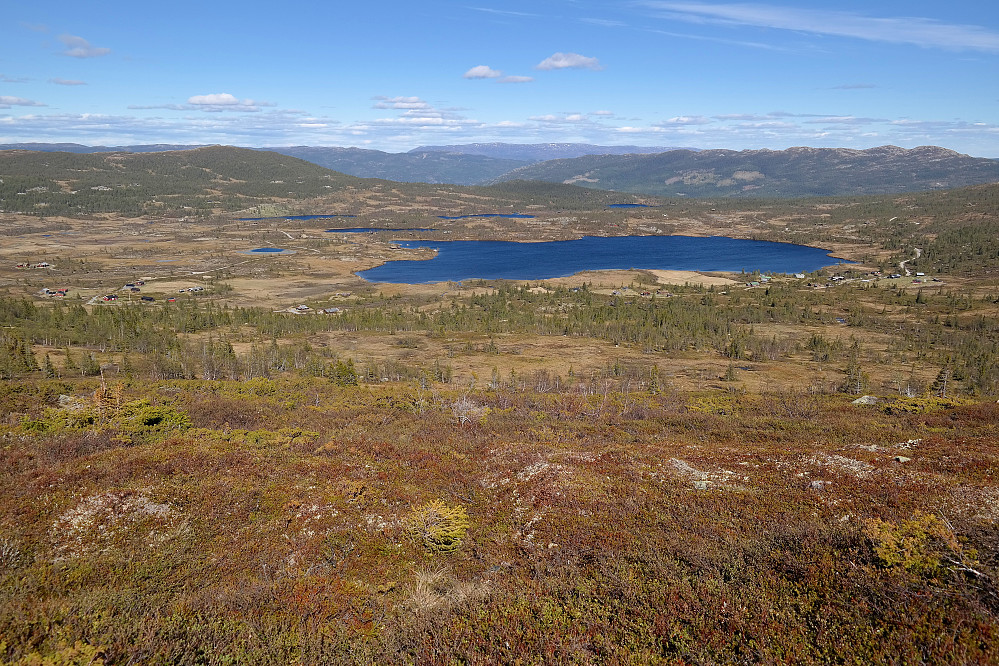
12 79
843 120
67 82
217 102
898 30
568 61
6 101
417 114
215 99
516 79
400 103
686 120
404 128
78 47
482 72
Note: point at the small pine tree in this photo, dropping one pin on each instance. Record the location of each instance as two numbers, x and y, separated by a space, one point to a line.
49 369
69 365
942 383
654 386
730 375
90 366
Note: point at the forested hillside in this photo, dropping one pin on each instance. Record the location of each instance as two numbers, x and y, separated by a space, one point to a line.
198 181
796 172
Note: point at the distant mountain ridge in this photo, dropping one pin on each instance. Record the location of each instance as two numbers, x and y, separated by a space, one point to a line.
80 148
795 172
413 167
541 152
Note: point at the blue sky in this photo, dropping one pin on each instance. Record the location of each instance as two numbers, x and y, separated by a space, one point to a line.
394 75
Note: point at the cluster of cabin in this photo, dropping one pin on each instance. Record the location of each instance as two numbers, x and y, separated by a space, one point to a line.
61 293
40 264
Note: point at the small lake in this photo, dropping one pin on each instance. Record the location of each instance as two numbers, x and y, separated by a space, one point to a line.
270 250
467 260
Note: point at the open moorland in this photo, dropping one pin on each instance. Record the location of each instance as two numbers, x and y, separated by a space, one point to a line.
214 455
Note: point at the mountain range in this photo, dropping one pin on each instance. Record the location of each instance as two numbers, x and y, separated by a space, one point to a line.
794 172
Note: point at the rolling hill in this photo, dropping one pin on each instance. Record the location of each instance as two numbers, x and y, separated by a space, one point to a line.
540 152
200 180
795 172
456 168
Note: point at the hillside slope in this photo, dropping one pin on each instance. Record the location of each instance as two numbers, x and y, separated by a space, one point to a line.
796 172
414 167
199 180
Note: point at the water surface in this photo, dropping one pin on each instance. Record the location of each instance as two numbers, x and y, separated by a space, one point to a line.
466 260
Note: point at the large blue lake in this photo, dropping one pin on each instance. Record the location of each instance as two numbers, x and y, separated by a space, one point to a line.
466 260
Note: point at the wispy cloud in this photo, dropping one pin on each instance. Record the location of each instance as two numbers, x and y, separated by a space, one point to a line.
516 79
12 79
482 72
606 23
418 113
212 103
6 101
568 61
897 30
685 120
843 120
67 82
400 103
571 118
719 40
502 12
217 102
78 47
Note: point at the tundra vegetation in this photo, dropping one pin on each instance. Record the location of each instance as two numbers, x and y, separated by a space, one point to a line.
601 469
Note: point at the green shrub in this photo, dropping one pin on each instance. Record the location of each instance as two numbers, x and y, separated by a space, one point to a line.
919 544
439 527
142 419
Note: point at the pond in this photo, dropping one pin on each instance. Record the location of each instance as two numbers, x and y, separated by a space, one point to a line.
270 250
465 260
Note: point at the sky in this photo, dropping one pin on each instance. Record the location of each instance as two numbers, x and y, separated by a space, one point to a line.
392 75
